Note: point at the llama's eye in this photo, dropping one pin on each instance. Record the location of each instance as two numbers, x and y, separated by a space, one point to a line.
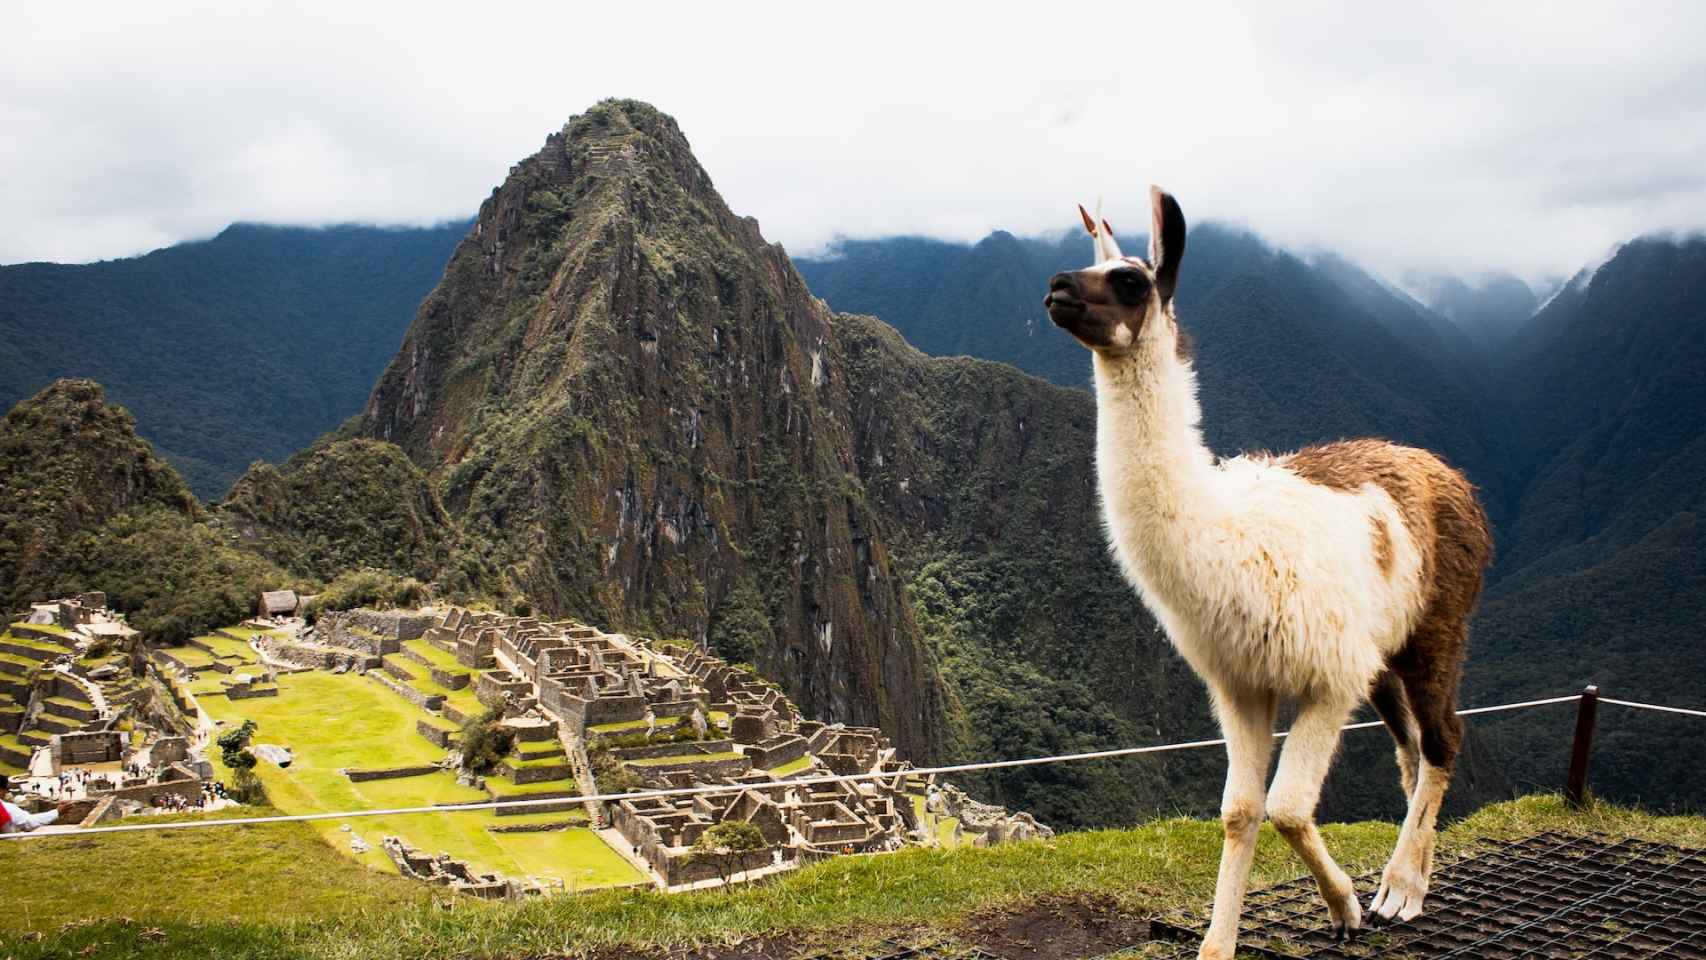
1129 286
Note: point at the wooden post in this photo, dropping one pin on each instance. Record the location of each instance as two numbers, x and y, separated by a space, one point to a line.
1576 788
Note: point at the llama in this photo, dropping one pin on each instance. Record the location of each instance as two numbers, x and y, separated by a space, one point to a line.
1328 576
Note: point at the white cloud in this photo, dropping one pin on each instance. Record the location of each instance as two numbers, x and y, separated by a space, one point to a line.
1442 136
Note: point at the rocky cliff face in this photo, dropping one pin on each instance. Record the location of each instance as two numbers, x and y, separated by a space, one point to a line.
632 394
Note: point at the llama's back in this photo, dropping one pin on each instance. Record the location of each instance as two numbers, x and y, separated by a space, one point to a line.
1437 503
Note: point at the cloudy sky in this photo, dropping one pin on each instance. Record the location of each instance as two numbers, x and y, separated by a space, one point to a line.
1431 136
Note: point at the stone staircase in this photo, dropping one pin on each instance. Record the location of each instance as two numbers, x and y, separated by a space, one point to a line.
575 748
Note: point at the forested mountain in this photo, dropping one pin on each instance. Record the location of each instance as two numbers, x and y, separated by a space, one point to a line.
1294 351
621 403
243 347
1584 424
635 400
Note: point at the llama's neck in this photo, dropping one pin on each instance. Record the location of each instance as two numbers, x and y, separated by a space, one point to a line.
1157 478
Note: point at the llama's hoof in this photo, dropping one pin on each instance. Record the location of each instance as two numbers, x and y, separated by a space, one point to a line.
1346 916
1399 900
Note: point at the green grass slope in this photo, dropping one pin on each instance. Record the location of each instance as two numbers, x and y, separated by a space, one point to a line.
277 892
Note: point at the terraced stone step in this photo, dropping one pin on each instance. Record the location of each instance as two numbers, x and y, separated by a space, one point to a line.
33 650
53 723
14 687
34 738
45 632
74 709
522 772
540 751
14 751
564 807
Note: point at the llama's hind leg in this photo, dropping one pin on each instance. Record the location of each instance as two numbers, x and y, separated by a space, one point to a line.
1296 792
1432 695
1388 699
1247 722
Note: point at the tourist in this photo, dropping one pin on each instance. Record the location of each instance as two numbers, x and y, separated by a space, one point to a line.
15 819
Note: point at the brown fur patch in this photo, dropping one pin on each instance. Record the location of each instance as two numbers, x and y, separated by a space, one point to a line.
1448 526
1382 545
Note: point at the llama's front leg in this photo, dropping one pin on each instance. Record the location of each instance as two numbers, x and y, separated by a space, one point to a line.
1247 721
1404 882
1296 792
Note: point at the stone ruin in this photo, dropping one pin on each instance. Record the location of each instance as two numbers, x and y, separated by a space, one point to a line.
799 822
443 871
988 824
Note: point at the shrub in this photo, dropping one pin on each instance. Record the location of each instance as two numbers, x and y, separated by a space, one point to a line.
483 742
368 588
726 845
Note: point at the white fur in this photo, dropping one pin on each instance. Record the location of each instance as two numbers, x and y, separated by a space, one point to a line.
1263 580
1269 586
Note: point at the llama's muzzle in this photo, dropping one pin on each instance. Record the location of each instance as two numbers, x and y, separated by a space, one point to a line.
1063 302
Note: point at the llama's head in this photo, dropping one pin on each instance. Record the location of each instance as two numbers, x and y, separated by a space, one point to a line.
1112 305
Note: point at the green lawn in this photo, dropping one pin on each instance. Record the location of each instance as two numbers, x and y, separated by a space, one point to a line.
191 657
330 721
286 899
244 634
227 647
463 700
35 643
792 766
52 628
435 656
623 727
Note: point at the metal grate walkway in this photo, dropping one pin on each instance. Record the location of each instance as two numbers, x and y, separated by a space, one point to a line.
1548 897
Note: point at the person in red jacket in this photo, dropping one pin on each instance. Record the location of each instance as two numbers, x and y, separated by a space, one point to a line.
14 819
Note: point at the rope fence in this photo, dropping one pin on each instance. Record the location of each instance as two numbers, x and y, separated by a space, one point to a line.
1586 699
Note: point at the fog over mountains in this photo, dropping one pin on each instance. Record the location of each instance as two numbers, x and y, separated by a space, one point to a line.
629 407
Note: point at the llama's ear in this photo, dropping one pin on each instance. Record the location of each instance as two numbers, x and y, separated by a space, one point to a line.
1166 240
1102 238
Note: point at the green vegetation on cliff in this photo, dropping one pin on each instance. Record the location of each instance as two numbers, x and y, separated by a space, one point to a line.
70 462
341 505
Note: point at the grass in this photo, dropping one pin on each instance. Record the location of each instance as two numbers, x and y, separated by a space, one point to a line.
336 913
52 628
622 727
33 643
331 721
463 699
792 766
17 666
191 657
434 656
227 647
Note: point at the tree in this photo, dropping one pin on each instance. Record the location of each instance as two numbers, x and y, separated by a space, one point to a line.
726 845
484 741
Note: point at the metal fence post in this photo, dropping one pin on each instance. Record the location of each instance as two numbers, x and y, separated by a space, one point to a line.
1576 788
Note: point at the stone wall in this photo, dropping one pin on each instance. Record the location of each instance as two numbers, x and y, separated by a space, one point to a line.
187 790
435 734
430 702
685 748
315 656
777 750
704 770
79 748
371 631
388 773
